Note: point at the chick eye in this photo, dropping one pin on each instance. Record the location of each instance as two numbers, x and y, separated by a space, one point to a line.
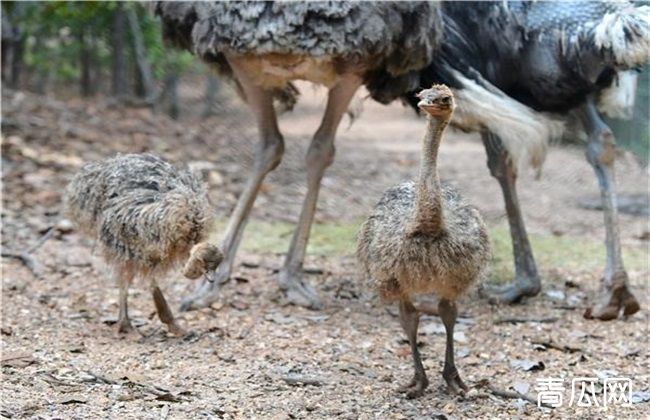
445 100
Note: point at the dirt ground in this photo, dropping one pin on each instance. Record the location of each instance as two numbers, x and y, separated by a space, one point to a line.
252 356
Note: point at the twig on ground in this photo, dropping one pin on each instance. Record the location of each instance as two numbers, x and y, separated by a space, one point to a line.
513 395
301 380
53 380
549 343
566 307
27 260
47 235
519 320
25 257
101 378
16 357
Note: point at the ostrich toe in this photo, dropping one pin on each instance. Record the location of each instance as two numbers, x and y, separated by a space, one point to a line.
455 384
124 326
415 388
514 292
611 303
299 292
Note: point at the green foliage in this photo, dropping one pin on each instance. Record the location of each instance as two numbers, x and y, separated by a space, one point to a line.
164 59
55 33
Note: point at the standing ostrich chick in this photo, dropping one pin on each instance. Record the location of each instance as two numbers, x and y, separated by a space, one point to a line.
423 238
147 217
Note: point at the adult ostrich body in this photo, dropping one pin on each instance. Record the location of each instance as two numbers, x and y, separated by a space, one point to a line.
263 46
517 68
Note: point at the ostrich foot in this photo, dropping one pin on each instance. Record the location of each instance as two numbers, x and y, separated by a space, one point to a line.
177 331
298 291
613 300
455 385
514 292
415 388
207 293
126 330
124 326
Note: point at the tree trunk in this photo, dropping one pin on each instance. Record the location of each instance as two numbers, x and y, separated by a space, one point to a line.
7 47
17 65
171 95
211 90
85 59
119 86
143 66
13 40
44 74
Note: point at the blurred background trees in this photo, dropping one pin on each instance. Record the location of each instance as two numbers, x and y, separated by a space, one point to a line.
95 48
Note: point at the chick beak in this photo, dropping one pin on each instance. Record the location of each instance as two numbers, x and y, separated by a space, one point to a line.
210 276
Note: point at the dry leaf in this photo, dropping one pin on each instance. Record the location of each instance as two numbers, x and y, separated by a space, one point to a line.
640 397
521 387
135 378
279 318
527 365
555 294
72 400
239 304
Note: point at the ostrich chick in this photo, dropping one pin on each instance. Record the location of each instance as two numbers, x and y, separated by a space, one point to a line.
423 238
147 216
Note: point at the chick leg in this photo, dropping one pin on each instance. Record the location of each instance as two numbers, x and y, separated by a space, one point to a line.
409 319
164 311
319 156
527 282
123 321
601 151
448 314
268 156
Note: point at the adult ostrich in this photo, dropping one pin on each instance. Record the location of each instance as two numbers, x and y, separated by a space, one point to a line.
517 67
262 46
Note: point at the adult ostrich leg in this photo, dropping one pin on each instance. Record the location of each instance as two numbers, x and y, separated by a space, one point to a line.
527 281
601 152
263 47
269 153
320 155
267 157
615 294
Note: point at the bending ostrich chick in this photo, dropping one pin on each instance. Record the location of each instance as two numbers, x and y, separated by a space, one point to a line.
423 238
147 217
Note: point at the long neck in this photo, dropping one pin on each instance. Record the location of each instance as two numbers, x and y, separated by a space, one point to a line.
428 210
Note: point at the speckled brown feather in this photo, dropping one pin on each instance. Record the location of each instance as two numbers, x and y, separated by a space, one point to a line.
145 214
386 41
423 237
401 264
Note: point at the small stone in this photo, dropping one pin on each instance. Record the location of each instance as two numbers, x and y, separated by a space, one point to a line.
555 294
65 226
215 178
449 408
